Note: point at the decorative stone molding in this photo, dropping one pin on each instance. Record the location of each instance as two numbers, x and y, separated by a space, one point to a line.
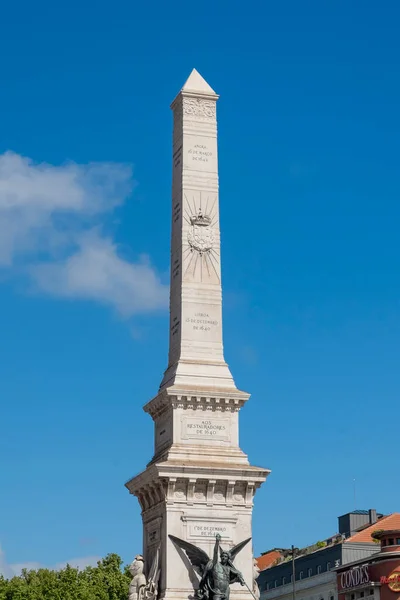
230 486
190 491
193 490
220 492
199 108
210 491
148 493
171 490
180 489
239 492
160 404
200 490
250 490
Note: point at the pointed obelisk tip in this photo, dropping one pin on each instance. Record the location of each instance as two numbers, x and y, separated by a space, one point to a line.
196 83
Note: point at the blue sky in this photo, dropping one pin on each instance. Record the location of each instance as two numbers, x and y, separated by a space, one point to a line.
309 164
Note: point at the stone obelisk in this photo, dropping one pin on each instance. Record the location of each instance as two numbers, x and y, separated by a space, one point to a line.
199 482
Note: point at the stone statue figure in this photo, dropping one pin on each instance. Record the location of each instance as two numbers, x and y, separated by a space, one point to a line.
138 583
142 588
256 572
218 573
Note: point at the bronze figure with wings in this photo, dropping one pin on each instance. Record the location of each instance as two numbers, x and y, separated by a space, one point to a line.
216 575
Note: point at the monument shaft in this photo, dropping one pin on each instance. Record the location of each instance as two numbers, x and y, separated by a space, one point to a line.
199 482
195 344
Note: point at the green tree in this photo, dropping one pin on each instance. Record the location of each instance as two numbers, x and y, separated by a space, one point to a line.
3 588
105 582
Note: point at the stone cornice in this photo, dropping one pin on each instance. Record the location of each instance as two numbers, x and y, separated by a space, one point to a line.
203 485
174 397
221 472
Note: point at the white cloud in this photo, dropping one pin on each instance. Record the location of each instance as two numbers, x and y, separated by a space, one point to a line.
52 231
5 569
95 271
10 570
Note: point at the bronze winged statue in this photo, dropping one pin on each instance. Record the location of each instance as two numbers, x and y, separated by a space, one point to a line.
217 573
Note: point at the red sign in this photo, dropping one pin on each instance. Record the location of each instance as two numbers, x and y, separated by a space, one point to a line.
393 581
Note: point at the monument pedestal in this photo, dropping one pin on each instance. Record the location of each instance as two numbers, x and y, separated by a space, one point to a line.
195 503
199 482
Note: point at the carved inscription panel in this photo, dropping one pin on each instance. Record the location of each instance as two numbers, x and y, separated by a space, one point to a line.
205 429
202 322
200 527
200 154
203 530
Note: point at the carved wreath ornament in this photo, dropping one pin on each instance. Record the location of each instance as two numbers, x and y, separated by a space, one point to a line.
197 107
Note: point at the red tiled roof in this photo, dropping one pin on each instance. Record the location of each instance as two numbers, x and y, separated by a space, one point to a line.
390 522
267 560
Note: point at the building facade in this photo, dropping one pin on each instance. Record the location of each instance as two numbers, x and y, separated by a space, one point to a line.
318 587
315 566
377 578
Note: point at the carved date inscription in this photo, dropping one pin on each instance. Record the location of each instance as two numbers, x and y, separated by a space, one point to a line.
200 153
207 429
209 531
202 321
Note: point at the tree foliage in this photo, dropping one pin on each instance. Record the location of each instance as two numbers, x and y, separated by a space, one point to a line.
105 582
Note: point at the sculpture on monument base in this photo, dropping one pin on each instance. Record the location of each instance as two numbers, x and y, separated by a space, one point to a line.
142 588
216 575
256 572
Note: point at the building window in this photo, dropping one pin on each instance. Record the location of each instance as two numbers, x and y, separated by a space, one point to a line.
353 596
309 572
398 542
361 594
332 598
318 569
283 580
301 575
328 566
371 592
391 542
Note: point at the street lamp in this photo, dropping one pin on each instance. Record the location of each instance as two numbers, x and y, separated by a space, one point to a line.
291 552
